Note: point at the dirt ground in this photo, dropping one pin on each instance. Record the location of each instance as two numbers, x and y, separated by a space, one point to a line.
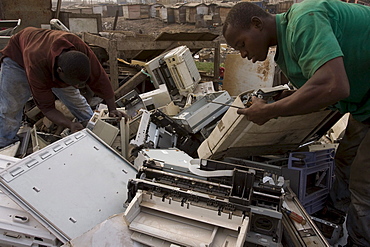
154 27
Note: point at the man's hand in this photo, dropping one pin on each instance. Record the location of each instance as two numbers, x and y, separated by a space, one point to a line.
113 112
326 87
118 114
75 126
59 119
258 112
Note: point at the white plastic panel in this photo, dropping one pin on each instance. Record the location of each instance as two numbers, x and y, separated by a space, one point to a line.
153 220
6 161
19 228
170 158
71 185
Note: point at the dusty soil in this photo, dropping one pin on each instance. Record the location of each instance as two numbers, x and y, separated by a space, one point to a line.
154 27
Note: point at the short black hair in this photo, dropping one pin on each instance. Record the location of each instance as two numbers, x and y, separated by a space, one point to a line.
241 14
75 64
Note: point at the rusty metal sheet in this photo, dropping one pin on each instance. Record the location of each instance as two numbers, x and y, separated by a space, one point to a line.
32 12
243 75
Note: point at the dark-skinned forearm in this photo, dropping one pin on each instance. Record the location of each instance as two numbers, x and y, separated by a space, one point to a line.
58 118
111 104
326 87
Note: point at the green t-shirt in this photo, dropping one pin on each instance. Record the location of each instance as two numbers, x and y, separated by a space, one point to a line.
315 31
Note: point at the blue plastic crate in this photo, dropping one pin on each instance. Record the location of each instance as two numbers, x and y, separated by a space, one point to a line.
315 205
315 171
309 159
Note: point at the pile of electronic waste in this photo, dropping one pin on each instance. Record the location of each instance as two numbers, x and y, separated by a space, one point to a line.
184 170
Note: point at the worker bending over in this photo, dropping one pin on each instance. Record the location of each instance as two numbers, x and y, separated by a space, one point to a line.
43 63
323 48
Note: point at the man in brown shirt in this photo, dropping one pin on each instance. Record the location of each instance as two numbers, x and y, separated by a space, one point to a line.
44 63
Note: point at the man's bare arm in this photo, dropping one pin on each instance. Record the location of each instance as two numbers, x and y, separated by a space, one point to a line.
59 119
326 87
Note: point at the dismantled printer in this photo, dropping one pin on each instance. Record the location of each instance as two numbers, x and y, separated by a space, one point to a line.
211 203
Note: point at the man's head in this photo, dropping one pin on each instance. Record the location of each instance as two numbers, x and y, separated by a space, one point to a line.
249 29
73 68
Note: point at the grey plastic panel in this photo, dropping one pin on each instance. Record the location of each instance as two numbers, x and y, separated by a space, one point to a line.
204 111
19 228
71 185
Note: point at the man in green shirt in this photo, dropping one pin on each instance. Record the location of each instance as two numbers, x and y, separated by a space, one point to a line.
323 48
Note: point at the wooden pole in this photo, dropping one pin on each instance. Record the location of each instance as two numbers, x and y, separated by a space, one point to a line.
115 20
130 85
216 60
59 5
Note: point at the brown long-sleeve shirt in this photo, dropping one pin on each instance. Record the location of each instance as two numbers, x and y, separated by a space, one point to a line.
36 49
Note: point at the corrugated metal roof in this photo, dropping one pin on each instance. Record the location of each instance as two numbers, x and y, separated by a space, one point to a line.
177 6
226 5
193 4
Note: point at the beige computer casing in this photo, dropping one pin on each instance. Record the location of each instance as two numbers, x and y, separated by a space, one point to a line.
235 136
